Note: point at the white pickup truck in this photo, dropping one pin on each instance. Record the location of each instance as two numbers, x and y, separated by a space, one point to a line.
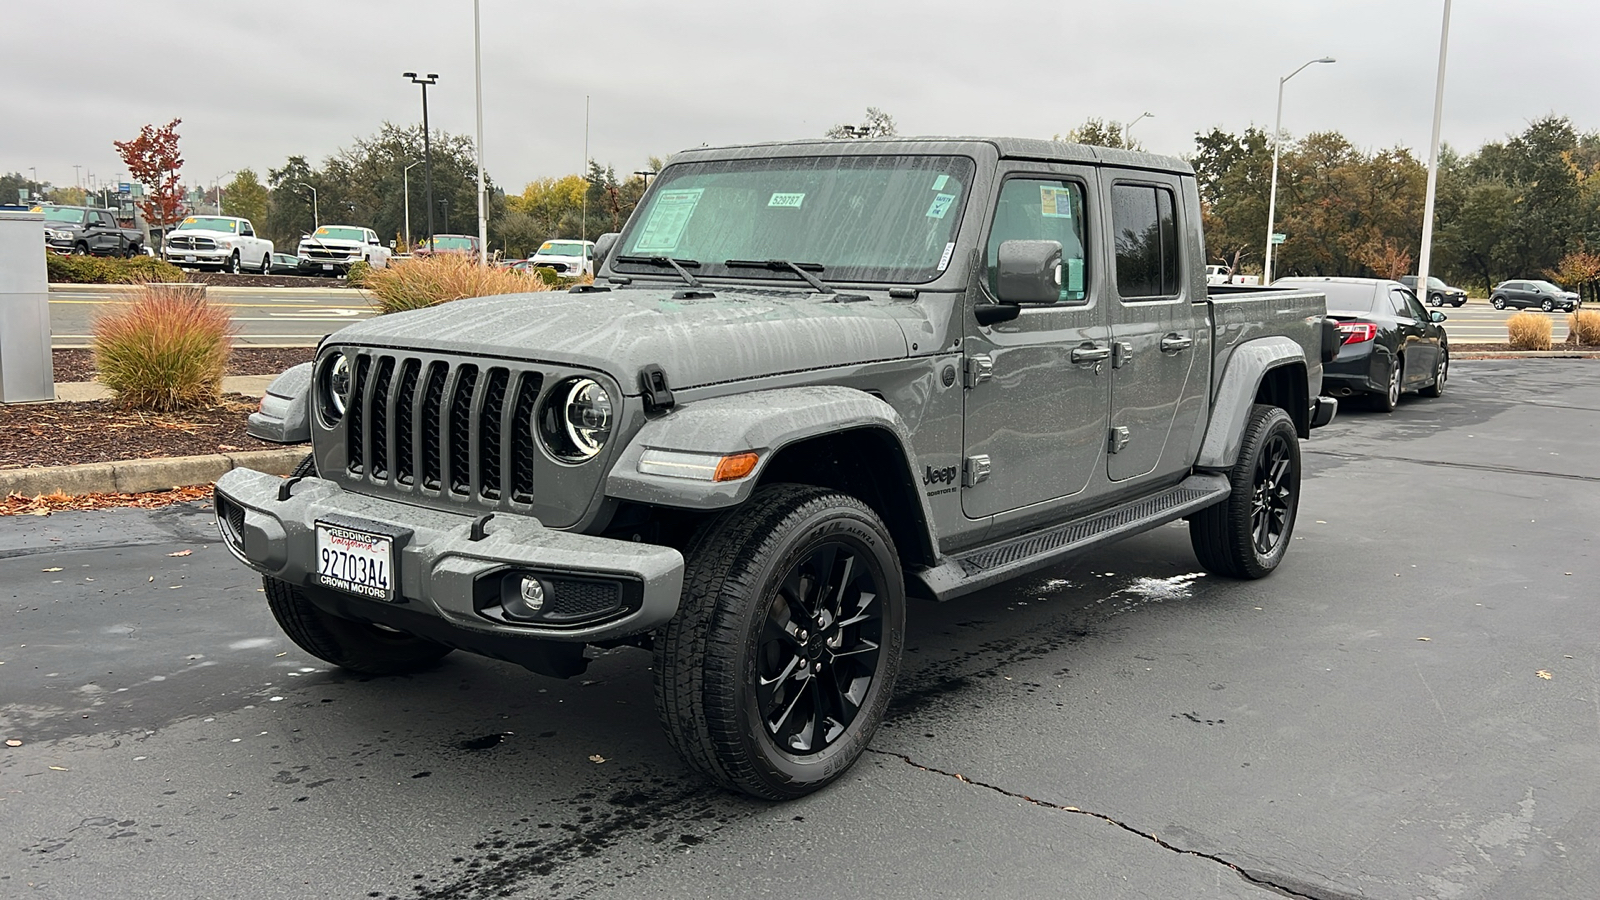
221 242
333 249
1225 275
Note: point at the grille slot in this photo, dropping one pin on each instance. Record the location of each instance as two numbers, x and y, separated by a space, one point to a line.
355 417
523 452
378 421
404 417
460 434
491 426
432 441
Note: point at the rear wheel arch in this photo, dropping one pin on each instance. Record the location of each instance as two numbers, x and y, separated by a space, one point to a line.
1285 386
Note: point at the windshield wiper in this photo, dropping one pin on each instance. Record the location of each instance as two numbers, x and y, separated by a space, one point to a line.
682 266
780 265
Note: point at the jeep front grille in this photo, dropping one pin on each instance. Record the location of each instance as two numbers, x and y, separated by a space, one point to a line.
453 429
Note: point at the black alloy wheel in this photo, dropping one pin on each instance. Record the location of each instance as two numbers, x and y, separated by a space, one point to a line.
779 666
1247 533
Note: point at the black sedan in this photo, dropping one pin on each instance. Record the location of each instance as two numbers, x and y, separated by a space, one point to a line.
285 264
1391 344
1439 293
1523 294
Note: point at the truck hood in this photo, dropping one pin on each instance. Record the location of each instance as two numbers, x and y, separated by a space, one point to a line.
737 334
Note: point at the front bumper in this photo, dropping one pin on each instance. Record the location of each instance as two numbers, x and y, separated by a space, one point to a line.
213 257
443 574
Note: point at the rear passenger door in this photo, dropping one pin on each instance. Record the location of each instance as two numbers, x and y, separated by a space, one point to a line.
1419 338
1157 389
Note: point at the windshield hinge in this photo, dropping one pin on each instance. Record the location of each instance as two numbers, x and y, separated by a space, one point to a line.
653 385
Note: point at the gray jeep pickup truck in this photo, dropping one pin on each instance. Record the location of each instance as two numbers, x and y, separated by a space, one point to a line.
812 380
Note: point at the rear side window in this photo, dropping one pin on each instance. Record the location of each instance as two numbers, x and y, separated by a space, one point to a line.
1145 225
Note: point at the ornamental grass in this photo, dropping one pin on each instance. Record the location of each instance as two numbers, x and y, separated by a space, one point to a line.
426 281
164 350
1584 325
1529 331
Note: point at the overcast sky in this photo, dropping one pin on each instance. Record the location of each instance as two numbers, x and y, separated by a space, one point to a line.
255 82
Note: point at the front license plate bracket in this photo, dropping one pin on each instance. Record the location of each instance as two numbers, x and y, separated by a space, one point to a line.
359 557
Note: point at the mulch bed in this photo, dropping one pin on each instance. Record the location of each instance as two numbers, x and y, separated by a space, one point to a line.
65 434
223 279
1507 348
18 505
78 365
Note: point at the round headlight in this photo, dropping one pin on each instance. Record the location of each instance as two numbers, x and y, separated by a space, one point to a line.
576 420
335 386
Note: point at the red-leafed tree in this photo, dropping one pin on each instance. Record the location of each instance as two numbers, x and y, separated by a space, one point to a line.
152 159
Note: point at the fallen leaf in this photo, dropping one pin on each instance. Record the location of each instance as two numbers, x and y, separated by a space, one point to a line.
181 553
60 769
1542 673
51 569
13 743
1424 639
597 759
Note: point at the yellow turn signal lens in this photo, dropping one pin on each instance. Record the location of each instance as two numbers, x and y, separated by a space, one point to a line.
735 467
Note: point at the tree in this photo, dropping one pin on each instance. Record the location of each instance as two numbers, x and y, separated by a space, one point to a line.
877 124
1233 174
246 197
152 159
1101 134
289 209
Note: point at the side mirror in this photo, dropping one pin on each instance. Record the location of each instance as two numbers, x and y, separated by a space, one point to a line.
603 246
392 245
1029 272
1437 316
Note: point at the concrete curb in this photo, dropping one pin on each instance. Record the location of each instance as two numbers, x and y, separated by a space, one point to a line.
132 476
1525 354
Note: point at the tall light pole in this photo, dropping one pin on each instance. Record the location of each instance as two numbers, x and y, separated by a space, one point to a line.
585 220
1277 139
477 74
427 142
218 182
1129 127
316 220
405 178
1425 257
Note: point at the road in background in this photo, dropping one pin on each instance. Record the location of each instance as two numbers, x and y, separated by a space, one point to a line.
1480 323
295 317
1405 709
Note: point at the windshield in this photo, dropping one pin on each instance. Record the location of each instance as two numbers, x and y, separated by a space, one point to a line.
561 248
452 242
209 223
339 233
861 218
1434 282
62 214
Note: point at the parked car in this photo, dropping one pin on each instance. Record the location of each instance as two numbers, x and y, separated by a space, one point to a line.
1523 294
1439 293
815 378
1225 275
568 258
89 230
1389 343
227 243
285 264
463 244
333 249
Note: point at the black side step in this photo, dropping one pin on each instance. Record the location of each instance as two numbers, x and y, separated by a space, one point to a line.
979 568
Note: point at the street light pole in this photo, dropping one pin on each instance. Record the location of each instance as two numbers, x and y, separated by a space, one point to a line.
477 74
1128 139
1426 256
405 178
219 188
316 219
427 143
1277 138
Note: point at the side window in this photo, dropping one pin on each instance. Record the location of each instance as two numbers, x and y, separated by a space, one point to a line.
1033 209
105 219
245 230
1145 226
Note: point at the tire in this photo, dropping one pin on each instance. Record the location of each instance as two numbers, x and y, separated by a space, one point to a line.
730 676
1547 306
1498 302
357 646
135 251
1441 374
306 468
80 249
1246 534
266 264
1388 399
232 265
1436 299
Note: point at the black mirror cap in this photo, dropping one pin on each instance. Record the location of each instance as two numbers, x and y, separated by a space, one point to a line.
603 246
1029 272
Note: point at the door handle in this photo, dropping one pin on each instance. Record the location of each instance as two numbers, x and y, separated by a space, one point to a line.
1176 343
1089 353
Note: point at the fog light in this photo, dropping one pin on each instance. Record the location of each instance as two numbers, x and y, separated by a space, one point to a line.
532 593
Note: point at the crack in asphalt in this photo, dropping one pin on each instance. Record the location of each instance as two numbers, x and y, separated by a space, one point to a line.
1476 467
1259 880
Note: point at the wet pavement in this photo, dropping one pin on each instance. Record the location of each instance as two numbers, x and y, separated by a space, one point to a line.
1408 708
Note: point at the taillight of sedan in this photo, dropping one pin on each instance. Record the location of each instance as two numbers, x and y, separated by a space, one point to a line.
1357 332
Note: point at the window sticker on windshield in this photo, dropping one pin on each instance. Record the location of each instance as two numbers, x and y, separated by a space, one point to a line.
787 201
940 182
1055 202
944 260
668 217
941 205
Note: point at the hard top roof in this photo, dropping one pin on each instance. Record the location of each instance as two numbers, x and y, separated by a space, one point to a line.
1003 147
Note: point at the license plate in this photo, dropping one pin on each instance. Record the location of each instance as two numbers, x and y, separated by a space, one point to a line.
327 267
359 562
188 259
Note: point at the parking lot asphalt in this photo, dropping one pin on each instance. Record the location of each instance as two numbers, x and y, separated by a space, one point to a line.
1408 708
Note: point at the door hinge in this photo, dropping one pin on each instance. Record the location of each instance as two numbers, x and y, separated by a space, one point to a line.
975 470
980 368
1118 439
1121 352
